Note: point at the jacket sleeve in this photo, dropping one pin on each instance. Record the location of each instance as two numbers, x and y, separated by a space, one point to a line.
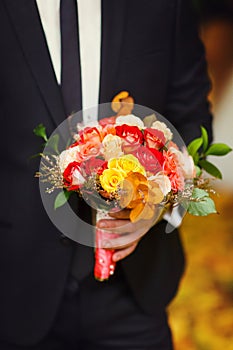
187 106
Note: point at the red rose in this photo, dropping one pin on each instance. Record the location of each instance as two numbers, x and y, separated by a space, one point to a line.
154 138
76 143
150 158
94 165
158 155
72 176
131 135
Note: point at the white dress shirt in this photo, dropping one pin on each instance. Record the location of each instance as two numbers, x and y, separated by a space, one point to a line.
89 18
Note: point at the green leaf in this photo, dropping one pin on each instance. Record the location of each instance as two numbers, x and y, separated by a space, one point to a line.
199 193
194 146
53 143
69 142
198 170
61 198
196 158
205 138
218 149
149 120
36 155
204 206
40 131
210 168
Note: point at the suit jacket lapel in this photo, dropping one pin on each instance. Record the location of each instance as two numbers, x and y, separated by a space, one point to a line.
113 24
25 18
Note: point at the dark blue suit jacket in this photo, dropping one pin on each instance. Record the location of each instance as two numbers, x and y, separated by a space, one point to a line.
149 48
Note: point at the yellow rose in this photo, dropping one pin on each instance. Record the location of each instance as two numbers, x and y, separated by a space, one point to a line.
127 163
111 179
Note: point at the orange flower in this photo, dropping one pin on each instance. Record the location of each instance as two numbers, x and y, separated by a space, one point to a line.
122 103
108 129
140 195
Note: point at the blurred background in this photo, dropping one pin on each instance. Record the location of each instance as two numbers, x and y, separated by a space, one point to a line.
201 316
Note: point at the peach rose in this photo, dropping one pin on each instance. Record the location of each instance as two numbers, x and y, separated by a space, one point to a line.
88 150
91 134
186 163
173 170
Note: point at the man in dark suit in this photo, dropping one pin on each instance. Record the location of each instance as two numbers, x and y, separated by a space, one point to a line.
151 49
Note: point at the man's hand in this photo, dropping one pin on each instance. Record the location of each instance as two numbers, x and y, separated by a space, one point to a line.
126 235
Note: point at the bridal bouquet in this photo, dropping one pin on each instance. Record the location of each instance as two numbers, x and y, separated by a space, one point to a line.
124 163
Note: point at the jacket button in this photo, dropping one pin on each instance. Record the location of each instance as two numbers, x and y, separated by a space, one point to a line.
65 240
72 287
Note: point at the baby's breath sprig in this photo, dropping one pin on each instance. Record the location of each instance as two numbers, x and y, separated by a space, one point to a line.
50 172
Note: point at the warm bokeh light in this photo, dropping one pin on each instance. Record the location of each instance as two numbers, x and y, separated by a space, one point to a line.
201 316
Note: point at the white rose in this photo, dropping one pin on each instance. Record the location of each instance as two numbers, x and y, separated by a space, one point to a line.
68 156
163 127
77 178
190 170
163 181
130 119
112 147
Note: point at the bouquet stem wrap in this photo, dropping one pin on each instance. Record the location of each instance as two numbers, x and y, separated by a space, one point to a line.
104 265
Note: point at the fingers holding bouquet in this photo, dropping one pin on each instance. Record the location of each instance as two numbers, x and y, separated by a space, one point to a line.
122 231
117 238
133 169
123 237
